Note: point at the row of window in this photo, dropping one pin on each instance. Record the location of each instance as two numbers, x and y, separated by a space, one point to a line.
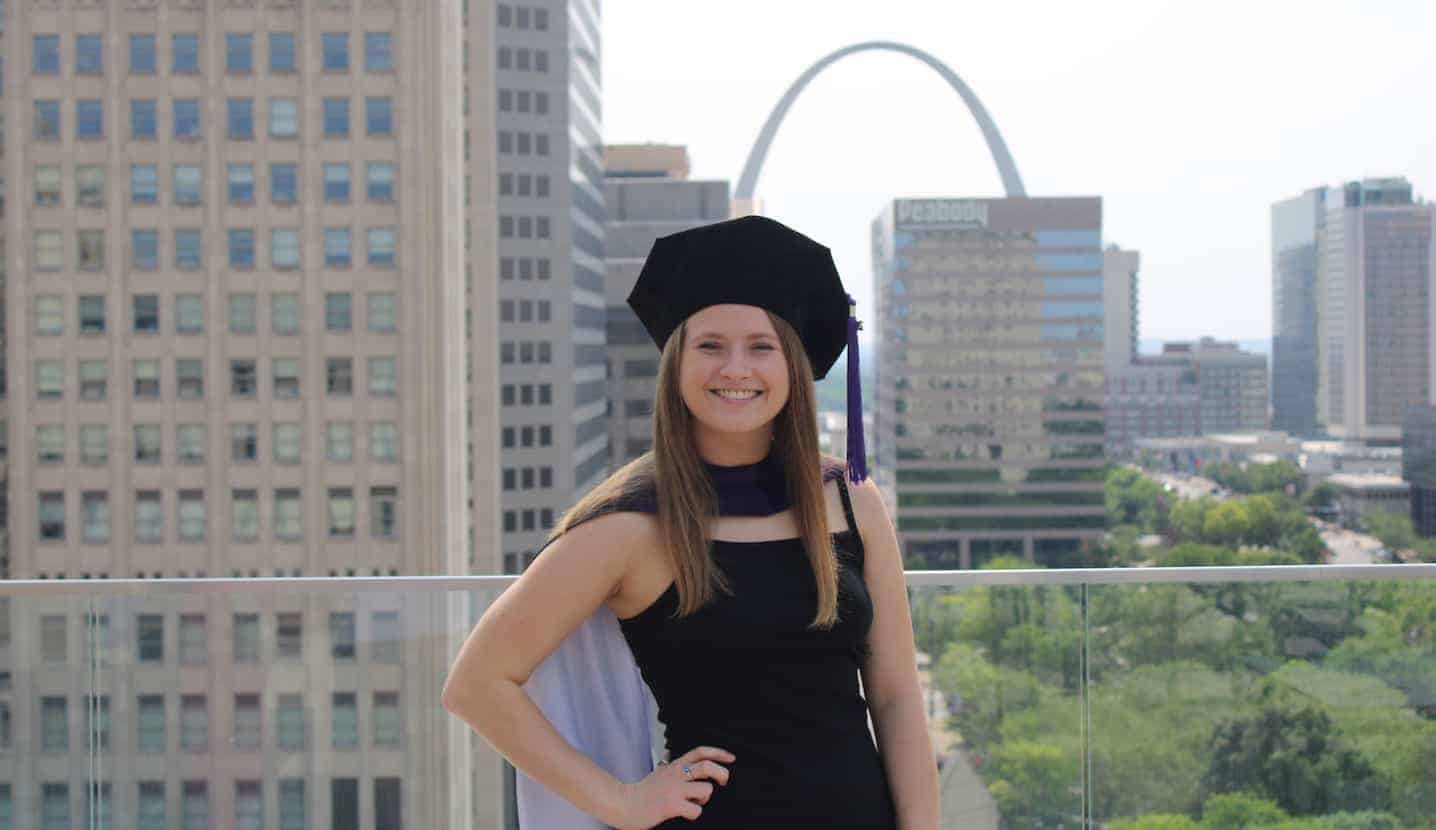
526 394
285 245
523 100
187 184
527 478
525 311
533 435
525 227
518 17
525 268
191 443
523 144
285 313
187 119
529 519
247 643
525 351
523 184
152 809
523 59
185 57
383 378
192 515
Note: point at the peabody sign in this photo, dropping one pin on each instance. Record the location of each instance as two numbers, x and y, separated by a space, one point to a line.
942 212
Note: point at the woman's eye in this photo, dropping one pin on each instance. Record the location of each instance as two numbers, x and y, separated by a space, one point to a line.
763 347
708 346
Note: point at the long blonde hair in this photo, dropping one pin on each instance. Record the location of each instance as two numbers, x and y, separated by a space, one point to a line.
673 471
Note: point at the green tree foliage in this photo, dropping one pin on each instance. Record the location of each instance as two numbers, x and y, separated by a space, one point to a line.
1134 499
1032 784
1239 811
1275 477
1154 821
1397 533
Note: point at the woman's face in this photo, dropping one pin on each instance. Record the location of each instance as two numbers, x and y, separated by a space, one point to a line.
733 373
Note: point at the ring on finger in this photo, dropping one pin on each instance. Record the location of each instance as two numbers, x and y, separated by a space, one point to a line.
688 772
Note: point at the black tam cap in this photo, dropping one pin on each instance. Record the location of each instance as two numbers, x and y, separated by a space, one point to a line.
753 261
760 262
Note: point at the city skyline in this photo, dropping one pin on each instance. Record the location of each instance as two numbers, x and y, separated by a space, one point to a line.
1223 135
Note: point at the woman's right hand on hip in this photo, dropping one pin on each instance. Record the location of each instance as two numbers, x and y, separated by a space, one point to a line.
668 793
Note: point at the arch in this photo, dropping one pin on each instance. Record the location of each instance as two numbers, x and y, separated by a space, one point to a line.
1011 181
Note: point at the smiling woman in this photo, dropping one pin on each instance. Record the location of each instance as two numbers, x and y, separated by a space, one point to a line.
734 379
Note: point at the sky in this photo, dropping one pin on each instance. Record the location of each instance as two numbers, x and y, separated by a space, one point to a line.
1189 119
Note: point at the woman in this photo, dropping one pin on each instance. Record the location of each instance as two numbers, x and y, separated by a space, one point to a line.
748 618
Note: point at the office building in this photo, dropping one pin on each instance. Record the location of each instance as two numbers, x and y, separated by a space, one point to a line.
1418 465
1231 384
989 417
648 195
1296 227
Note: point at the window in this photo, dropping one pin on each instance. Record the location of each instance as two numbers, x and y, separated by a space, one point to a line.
194 723
46 55
142 54
94 380
286 372
383 441
284 313
338 311
150 638
284 249
386 719
284 183
382 311
54 806
49 380
144 184
288 440
289 722
146 308
47 120
47 185
49 314
292 805
147 379
345 720
188 184
383 376
193 518
239 53
189 378
381 247
150 809
54 723
49 250
379 181
145 250
378 52
143 119
186 54
384 512
339 377
89 119
189 250
336 117
379 115
241 248
384 630
186 118
242 378
189 314
92 313
242 314
190 440
288 515
239 118
94 444
149 517
344 801
240 184
150 726
289 635
341 513
148 443
246 723
90 249
334 48
50 444
194 807
341 635
244 505
282 52
90 185
337 247
336 183
283 118
339 441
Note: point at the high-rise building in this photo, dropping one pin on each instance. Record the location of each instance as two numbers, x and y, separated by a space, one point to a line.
1231 384
648 195
234 328
989 416
553 393
1296 227
1418 465
1374 314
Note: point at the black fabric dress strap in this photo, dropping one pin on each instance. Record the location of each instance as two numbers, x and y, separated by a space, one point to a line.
848 505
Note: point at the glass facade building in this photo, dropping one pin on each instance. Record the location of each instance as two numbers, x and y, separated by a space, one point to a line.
1418 465
1296 225
989 417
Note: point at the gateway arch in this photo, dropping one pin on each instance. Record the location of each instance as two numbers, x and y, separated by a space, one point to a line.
1011 181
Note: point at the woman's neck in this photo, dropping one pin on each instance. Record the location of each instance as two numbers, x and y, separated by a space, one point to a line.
734 450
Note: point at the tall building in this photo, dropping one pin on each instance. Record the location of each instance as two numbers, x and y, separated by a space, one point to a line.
648 195
234 328
1231 384
551 326
1418 465
1374 317
1296 227
989 416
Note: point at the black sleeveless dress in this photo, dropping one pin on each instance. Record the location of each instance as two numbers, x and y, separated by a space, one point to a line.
746 674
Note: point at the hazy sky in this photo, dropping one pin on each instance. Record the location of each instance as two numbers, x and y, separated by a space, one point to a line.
1189 118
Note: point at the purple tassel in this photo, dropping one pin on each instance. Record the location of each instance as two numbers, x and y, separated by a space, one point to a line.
857 448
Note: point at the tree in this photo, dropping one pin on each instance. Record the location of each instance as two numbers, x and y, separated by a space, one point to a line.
1239 811
1033 784
1226 523
1154 821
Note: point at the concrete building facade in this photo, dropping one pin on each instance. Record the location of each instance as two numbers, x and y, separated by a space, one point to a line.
989 417
1231 384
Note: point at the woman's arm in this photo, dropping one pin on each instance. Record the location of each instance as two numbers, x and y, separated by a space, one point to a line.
563 587
890 680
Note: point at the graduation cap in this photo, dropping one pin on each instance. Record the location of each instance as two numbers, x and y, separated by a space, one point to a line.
757 261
